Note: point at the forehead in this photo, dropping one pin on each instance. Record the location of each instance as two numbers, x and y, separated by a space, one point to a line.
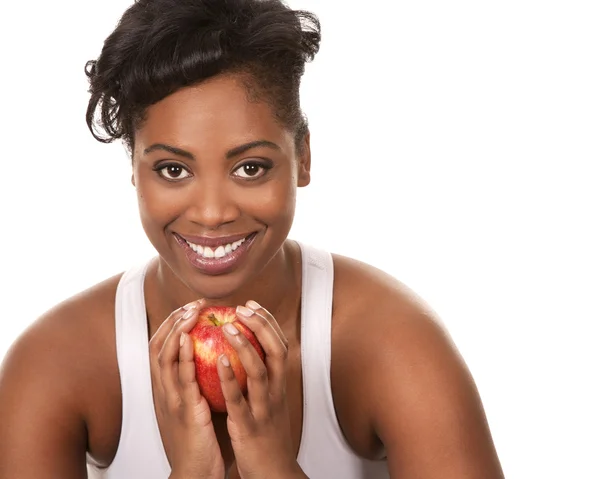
215 114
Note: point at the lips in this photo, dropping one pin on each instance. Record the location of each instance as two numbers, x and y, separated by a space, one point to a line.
213 242
215 255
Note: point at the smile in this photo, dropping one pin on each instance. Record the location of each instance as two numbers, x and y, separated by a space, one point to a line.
216 256
216 252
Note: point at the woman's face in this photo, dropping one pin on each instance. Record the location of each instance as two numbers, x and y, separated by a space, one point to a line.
216 179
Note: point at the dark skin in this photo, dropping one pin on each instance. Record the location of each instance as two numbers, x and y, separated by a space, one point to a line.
400 388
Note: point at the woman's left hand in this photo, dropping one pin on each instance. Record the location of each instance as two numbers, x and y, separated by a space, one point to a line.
259 424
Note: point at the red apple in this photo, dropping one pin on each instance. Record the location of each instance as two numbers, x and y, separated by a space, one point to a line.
209 343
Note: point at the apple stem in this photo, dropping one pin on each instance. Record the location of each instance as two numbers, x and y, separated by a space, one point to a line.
213 319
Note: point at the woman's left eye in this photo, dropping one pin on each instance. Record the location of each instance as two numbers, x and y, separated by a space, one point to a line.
250 171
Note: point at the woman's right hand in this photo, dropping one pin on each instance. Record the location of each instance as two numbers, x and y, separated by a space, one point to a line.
184 417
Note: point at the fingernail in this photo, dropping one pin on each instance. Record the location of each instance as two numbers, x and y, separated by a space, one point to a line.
189 313
243 311
225 360
181 340
231 329
253 305
191 305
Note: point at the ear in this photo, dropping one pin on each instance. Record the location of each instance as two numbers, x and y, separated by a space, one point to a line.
129 152
304 161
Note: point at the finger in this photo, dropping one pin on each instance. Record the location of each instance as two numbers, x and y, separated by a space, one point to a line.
184 323
168 357
257 308
237 406
263 325
164 329
157 341
277 380
195 404
256 370
272 373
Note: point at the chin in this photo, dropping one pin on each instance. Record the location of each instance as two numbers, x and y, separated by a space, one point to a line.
215 287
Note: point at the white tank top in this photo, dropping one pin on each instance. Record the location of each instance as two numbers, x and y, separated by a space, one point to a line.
324 452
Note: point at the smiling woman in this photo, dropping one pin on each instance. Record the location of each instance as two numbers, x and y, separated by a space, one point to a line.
205 95
209 155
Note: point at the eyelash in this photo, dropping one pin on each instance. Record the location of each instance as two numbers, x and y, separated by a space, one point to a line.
265 168
162 166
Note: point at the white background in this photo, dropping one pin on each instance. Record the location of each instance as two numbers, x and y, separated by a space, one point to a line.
456 145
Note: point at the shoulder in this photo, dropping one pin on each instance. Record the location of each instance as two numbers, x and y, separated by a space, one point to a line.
410 385
57 372
368 297
379 326
72 328
379 318
385 330
62 350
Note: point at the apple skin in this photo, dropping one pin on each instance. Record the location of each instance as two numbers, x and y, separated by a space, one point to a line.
209 343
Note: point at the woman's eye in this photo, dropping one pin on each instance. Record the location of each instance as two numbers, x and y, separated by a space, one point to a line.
250 170
173 172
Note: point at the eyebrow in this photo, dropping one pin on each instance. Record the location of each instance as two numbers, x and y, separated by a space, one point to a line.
235 151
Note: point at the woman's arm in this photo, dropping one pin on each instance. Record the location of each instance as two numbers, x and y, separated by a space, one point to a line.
42 432
425 408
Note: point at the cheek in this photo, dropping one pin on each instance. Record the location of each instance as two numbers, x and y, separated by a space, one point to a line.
272 202
157 204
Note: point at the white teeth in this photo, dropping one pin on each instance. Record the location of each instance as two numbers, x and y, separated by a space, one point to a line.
218 252
236 245
196 248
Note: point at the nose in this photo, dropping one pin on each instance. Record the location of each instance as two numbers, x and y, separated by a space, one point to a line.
211 204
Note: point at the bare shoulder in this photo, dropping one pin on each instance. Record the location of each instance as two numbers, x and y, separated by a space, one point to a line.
378 317
412 393
367 296
54 374
72 331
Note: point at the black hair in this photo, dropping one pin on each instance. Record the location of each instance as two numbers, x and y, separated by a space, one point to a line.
160 46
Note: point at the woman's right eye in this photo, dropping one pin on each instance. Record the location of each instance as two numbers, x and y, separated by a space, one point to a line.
173 172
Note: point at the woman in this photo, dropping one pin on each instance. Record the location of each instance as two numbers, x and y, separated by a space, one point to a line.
359 380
